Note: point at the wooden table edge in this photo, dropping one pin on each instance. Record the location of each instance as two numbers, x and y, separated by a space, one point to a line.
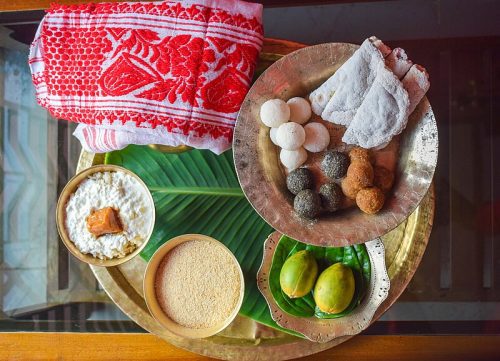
145 347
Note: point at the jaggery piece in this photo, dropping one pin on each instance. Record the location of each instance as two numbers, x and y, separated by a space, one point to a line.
383 178
360 173
104 221
370 200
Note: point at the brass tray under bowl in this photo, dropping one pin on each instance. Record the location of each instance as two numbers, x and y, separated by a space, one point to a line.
412 155
245 339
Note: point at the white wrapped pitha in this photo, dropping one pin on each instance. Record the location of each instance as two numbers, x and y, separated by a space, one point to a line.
416 82
398 62
354 80
383 113
371 47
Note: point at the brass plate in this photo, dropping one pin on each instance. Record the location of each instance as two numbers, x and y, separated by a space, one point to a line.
323 330
413 155
244 339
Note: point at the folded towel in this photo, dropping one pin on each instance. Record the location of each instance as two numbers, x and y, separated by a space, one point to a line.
149 72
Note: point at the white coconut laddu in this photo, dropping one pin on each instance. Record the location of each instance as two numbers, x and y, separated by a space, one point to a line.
285 120
385 110
300 110
274 112
290 136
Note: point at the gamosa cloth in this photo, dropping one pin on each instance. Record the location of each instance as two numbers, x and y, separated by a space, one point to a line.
151 72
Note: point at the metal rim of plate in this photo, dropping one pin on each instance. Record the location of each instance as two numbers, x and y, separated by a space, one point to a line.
404 246
261 176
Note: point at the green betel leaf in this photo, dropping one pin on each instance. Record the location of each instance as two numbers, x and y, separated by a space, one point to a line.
366 268
198 192
356 257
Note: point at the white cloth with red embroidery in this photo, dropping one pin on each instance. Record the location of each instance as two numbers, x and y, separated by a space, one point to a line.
165 72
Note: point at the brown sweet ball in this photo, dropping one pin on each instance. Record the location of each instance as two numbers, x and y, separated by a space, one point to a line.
383 178
350 188
361 173
360 154
370 200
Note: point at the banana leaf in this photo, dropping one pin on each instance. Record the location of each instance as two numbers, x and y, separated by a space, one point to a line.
355 257
198 192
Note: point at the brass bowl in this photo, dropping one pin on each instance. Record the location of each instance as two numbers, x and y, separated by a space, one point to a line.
150 292
69 189
412 156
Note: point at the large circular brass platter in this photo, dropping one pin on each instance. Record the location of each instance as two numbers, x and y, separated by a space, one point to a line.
412 156
245 339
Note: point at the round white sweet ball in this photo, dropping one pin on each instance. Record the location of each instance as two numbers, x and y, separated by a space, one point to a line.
274 112
317 137
300 110
272 134
290 136
293 159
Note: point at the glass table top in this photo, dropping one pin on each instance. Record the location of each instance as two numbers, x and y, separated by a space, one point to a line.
457 286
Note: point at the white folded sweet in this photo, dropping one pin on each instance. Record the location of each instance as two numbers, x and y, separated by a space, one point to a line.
367 96
383 113
398 62
355 79
416 82
348 89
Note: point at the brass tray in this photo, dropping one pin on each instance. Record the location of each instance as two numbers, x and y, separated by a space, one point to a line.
245 339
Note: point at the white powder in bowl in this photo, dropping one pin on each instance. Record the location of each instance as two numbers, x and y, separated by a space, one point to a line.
109 189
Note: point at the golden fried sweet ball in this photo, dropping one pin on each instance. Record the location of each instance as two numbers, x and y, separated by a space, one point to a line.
350 188
360 154
383 178
361 173
370 200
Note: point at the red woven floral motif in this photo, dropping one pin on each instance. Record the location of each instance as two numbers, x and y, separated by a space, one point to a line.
176 65
225 93
73 58
185 68
127 74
